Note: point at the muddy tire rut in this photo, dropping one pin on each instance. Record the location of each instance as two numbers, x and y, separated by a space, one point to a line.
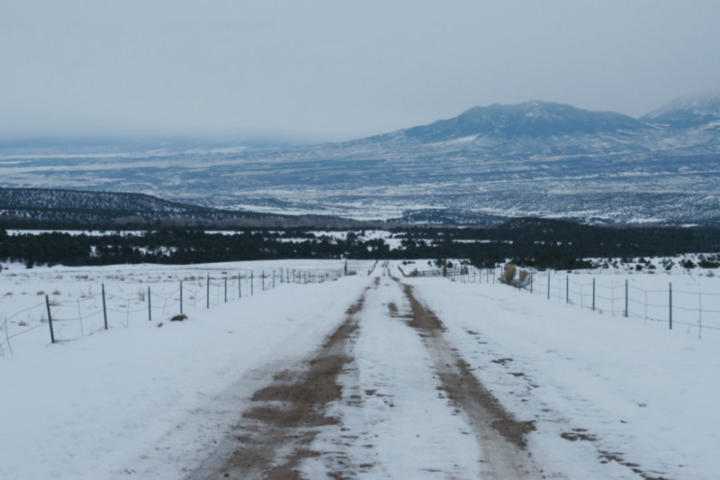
275 433
500 435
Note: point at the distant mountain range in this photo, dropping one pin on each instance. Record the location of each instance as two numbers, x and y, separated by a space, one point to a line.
488 163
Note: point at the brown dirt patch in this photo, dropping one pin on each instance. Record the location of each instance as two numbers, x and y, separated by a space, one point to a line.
464 389
422 319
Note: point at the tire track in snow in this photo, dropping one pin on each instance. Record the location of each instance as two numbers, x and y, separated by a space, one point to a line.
274 435
279 431
396 423
500 435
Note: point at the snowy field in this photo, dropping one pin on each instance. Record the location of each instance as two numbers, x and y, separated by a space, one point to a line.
635 390
76 303
385 370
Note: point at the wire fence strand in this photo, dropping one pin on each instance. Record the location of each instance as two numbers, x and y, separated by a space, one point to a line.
116 306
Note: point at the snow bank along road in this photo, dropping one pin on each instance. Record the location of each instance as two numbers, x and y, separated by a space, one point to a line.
367 377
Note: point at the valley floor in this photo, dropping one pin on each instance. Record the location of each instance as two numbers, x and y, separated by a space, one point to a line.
371 376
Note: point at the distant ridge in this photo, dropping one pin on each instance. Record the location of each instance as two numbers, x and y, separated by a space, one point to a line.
44 208
531 119
689 111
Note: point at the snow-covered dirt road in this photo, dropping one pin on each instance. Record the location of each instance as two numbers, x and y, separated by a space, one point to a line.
386 396
372 376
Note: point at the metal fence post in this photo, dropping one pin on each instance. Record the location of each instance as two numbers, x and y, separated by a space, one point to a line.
700 316
181 297
104 307
207 294
252 284
531 281
262 276
626 298
567 288
52 333
548 284
149 306
225 289
239 286
670 305
593 300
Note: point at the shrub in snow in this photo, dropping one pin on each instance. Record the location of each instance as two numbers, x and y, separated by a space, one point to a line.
523 279
179 318
508 275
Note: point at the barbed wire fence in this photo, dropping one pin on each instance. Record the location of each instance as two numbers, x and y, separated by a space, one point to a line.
669 306
101 308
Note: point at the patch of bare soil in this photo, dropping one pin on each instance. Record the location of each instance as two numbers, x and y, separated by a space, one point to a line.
500 435
273 436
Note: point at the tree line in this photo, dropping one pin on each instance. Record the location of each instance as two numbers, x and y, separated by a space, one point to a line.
526 242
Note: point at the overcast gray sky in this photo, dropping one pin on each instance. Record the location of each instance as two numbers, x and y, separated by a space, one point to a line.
333 68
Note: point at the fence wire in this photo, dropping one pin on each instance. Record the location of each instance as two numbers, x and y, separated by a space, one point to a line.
107 308
698 310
